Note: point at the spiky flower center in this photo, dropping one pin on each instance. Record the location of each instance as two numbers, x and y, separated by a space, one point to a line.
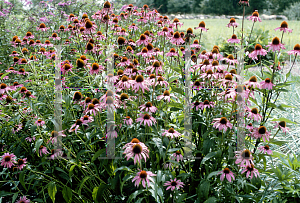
275 41
173 183
189 31
206 102
143 174
232 20
262 130
139 78
223 120
109 100
228 77
250 168
166 93
282 124
253 79
254 111
215 63
209 72
255 14
202 24
246 153
171 130
7 158
91 106
137 148
267 147
284 24
148 104
258 47
234 37
146 116
226 170
134 140
121 40
124 96
88 100
297 47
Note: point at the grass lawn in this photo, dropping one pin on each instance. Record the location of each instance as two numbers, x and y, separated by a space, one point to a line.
218 30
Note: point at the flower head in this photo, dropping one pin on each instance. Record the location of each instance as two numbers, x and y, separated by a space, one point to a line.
222 123
243 157
275 45
172 184
226 172
284 27
143 176
7 160
136 150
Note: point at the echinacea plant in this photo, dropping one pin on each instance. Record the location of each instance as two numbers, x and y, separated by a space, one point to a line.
137 100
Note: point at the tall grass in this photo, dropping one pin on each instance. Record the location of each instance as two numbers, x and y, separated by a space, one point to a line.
218 30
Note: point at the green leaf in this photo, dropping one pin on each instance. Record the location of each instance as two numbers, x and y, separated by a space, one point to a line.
82 184
67 194
4 75
211 200
208 156
181 198
284 119
32 129
38 143
22 178
179 53
15 197
97 154
98 193
52 191
212 174
71 170
203 189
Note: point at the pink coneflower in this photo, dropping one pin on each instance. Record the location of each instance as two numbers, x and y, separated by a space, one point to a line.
7 160
201 26
111 78
171 133
206 104
295 51
21 163
254 17
244 3
253 114
76 125
133 27
243 157
67 67
233 39
209 74
111 132
177 155
17 128
55 153
226 172
261 132
54 36
143 40
23 200
146 119
249 127
172 52
258 50
176 39
96 68
166 96
90 27
87 119
250 170
284 27
124 83
124 62
43 150
55 135
148 107
253 82
127 120
266 84
221 123
144 52
42 27
265 149
174 184
275 45
137 151
29 139
282 125
4 88
156 66
161 81
39 122
143 176
232 23
230 59
139 83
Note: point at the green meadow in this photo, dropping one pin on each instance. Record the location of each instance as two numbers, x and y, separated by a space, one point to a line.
218 31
